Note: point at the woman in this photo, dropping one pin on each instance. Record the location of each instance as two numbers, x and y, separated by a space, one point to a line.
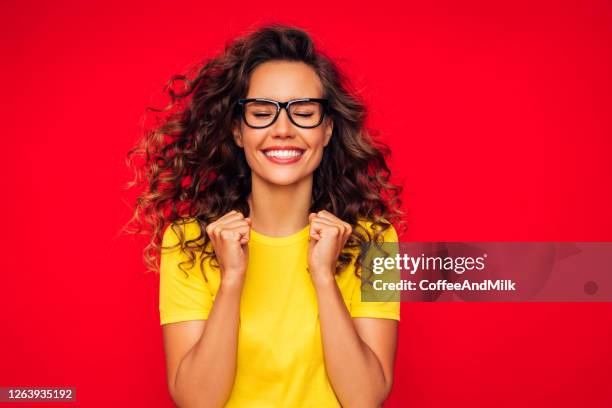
270 183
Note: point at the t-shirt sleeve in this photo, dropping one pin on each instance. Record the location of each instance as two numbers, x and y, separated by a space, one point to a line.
383 310
183 295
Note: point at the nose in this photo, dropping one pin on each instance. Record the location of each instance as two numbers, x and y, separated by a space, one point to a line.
283 127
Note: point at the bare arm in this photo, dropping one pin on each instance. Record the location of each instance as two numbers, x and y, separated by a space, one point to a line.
201 355
359 353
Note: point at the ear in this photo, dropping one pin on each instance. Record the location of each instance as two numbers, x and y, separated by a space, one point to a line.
237 135
329 129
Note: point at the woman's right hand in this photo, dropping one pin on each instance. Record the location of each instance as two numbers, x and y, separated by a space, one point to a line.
229 236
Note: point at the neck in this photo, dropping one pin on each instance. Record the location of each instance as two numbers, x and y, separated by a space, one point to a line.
279 211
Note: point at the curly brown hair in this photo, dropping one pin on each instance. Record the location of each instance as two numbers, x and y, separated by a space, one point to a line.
189 167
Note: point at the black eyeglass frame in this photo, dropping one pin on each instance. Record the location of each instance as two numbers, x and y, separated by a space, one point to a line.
283 105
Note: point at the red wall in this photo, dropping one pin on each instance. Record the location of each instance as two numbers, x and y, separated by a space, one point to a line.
499 120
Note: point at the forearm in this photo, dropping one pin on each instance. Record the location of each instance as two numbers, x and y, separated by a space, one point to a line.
206 374
353 369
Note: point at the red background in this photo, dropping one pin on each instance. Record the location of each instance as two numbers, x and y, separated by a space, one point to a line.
499 120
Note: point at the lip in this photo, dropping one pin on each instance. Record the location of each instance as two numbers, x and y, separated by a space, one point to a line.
279 160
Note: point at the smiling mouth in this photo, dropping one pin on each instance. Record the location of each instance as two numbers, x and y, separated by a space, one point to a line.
283 156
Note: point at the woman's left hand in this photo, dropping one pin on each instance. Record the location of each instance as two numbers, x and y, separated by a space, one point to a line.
328 234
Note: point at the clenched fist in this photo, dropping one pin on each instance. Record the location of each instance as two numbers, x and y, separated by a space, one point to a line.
328 234
229 236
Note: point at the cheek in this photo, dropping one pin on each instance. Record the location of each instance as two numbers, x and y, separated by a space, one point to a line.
249 145
251 156
318 143
316 155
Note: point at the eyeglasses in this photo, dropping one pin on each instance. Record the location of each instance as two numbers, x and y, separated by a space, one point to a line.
306 113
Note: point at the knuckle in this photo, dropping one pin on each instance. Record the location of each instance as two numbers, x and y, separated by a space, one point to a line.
226 234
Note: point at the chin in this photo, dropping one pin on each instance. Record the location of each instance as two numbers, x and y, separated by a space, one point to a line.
283 179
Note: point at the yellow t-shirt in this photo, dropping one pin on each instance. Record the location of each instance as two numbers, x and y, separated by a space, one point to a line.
280 360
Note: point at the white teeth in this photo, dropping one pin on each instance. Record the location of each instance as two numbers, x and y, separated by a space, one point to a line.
283 153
